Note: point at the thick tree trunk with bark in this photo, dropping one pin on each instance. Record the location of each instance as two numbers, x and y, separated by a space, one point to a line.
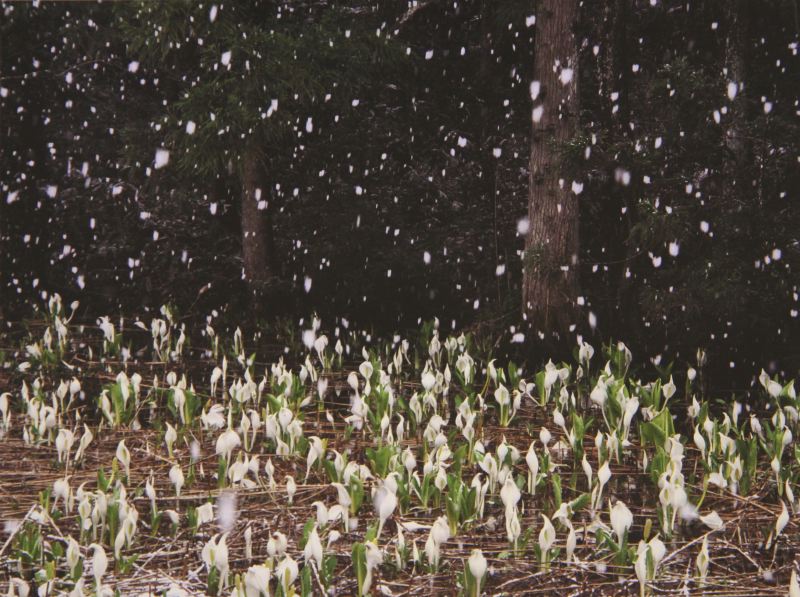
255 222
550 261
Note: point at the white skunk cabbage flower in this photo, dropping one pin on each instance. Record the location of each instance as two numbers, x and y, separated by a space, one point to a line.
73 553
374 559
227 442
286 572
780 524
322 513
440 533
85 513
276 546
84 442
124 457
712 520
205 513
644 571
510 494
772 387
547 536
215 555
316 451
119 541
291 488
700 442
428 380
176 478
502 396
313 548
385 503
621 520
99 564
585 353
513 527
62 491
532 460
64 442
214 418
256 581
477 565
366 370
216 375
599 394
572 541
794 586
170 436
587 470
668 389
5 413
344 499
173 516
248 542
550 377
150 492
104 323
703 560
604 474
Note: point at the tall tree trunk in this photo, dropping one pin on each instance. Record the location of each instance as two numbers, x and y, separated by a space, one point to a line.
613 69
255 222
487 94
736 171
550 261
619 214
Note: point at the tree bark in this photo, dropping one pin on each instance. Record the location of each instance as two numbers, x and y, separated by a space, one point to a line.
620 213
488 98
255 222
614 69
737 147
550 261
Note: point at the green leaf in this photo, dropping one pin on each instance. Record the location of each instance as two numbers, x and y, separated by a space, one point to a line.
359 555
306 587
580 502
658 429
556 481
307 528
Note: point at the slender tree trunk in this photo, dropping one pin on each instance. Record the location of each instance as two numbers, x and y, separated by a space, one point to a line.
736 169
614 69
255 222
550 261
4 297
487 159
620 210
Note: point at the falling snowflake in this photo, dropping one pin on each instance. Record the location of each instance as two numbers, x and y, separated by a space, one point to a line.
162 158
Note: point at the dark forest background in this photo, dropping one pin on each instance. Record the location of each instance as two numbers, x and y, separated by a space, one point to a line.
386 149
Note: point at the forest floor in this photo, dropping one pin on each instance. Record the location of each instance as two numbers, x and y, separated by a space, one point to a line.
161 558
